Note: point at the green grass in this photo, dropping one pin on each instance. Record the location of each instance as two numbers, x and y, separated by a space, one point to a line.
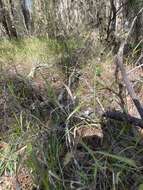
32 48
55 158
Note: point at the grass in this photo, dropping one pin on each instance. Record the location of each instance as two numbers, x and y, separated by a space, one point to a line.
33 48
45 141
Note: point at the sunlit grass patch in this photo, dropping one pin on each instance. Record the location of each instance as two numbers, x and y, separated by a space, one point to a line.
34 47
24 50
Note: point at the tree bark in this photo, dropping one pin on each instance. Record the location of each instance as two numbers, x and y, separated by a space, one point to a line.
7 21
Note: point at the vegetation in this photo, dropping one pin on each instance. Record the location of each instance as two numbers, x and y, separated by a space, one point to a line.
70 95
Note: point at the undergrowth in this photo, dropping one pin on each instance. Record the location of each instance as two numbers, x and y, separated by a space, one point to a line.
39 134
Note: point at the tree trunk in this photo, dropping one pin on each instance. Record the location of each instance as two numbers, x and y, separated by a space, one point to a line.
7 20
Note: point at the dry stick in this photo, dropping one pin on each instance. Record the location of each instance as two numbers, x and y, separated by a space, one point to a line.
139 64
120 64
133 23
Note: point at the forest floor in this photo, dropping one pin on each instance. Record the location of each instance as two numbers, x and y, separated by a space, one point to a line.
38 150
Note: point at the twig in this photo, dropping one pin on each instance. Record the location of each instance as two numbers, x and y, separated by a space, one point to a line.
100 104
35 68
133 23
140 59
37 65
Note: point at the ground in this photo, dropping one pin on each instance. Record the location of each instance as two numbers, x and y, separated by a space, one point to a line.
93 149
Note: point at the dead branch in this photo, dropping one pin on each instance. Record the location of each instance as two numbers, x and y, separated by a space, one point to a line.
119 116
120 65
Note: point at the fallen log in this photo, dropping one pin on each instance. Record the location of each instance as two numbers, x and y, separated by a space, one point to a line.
123 117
